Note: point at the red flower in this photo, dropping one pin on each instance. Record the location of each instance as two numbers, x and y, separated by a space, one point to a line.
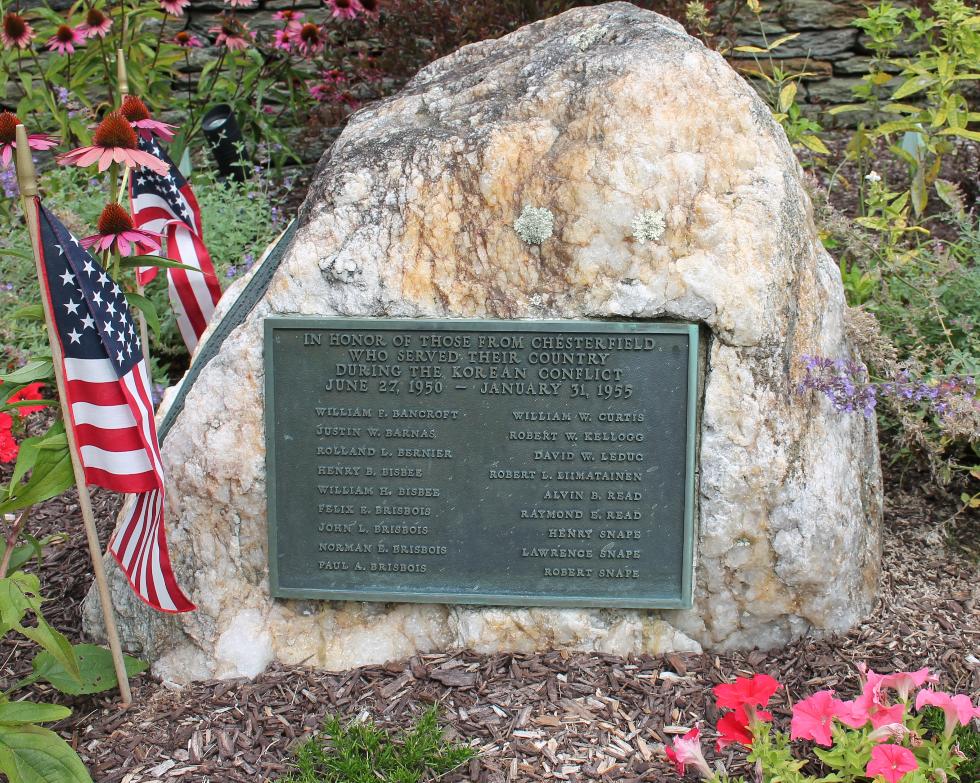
30 392
116 229
134 110
8 446
734 727
16 31
115 142
752 691
8 138
687 750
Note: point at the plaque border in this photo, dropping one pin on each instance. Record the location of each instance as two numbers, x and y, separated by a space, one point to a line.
692 330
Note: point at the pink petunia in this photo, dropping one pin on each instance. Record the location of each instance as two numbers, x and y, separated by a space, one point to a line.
813 718
8 138
687 750
891 762
114 141
96 25
16 32
65 39
904 682
958 709
116 230
873 704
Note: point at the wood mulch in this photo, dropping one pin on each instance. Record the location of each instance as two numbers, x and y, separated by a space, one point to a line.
550 716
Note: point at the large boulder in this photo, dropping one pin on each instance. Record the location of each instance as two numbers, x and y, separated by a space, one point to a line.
601 115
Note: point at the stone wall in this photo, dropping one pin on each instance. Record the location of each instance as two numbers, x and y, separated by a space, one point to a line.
828 47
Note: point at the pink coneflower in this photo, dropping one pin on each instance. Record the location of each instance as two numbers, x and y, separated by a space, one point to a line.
232 34
344 9
185 40
116 229
283 39
240 3
8 136
96 24
288 15
115 142
308 39
370 8
134 110
16 32
174 7
65 39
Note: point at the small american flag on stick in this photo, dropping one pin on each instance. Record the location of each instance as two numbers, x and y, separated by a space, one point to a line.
166 205
108 405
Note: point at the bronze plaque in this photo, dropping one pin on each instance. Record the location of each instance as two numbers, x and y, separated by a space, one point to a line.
535 463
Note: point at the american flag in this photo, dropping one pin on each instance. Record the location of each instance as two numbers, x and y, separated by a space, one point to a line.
166 205
108 405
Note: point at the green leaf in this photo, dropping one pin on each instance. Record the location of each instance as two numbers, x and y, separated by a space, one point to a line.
95 665
961 132
780 41
29 313
30 372
31 754
29 712
846 107
786 97
949 193
52 474
919 192
56 644
814 143
18 595
914 85
134 261
148 308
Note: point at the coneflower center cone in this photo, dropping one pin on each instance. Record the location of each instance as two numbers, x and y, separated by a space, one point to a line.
14 26
115 131
94 17
309 33
8 127
114 220
64 34
369 5
133 109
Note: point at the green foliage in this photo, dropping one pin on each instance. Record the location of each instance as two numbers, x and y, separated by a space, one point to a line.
363 753
927 106
966 738
779 88
96 672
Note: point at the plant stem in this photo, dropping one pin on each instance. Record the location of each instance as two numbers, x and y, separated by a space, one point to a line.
108 77
114 182
12 540
156 52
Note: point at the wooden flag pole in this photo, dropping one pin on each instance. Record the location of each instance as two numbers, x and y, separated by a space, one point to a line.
122 80
27 181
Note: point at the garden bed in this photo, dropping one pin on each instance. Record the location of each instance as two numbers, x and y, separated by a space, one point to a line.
549 716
